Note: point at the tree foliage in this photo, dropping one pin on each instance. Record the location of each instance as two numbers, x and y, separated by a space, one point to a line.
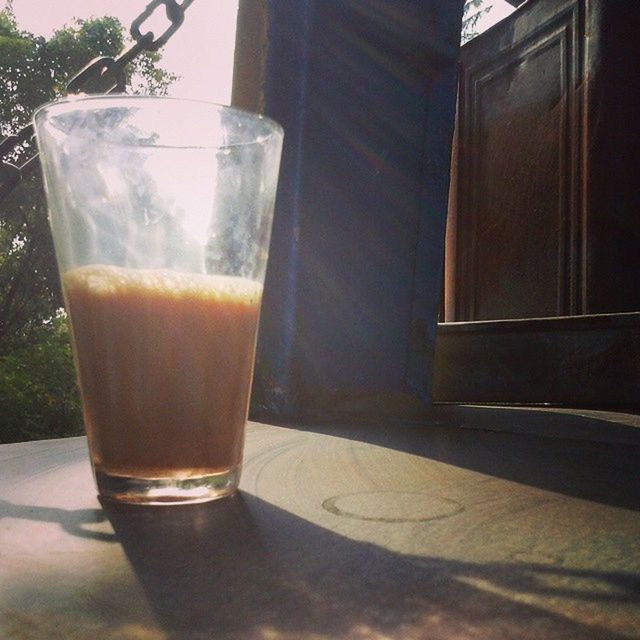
38 396
473 11
34 70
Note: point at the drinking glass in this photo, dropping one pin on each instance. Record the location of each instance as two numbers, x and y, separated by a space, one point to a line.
161 213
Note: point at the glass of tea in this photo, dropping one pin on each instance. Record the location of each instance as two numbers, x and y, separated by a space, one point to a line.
161 213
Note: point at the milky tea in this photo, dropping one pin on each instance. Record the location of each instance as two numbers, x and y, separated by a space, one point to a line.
164 364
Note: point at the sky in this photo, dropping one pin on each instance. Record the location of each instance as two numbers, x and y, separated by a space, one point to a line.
499 9
201 50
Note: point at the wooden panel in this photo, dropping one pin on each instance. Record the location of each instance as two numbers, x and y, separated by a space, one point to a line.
544 221
249 56
580 360
518 198
613 192
545 213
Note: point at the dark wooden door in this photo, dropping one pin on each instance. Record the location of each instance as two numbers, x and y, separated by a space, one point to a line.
544 221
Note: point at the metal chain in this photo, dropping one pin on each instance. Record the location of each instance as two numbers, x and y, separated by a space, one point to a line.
102 75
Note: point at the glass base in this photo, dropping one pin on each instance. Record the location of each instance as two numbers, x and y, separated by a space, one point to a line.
167 491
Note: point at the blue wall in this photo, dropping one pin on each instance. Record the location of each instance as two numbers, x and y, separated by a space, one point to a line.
365 90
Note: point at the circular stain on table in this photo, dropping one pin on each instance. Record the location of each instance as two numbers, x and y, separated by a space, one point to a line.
392 506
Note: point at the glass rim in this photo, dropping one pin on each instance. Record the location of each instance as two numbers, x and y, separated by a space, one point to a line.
66 105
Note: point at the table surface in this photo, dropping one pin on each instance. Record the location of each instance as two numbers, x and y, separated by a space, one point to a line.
477 523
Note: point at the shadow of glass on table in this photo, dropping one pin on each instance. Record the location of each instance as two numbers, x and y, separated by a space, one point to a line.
242 568
83 523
